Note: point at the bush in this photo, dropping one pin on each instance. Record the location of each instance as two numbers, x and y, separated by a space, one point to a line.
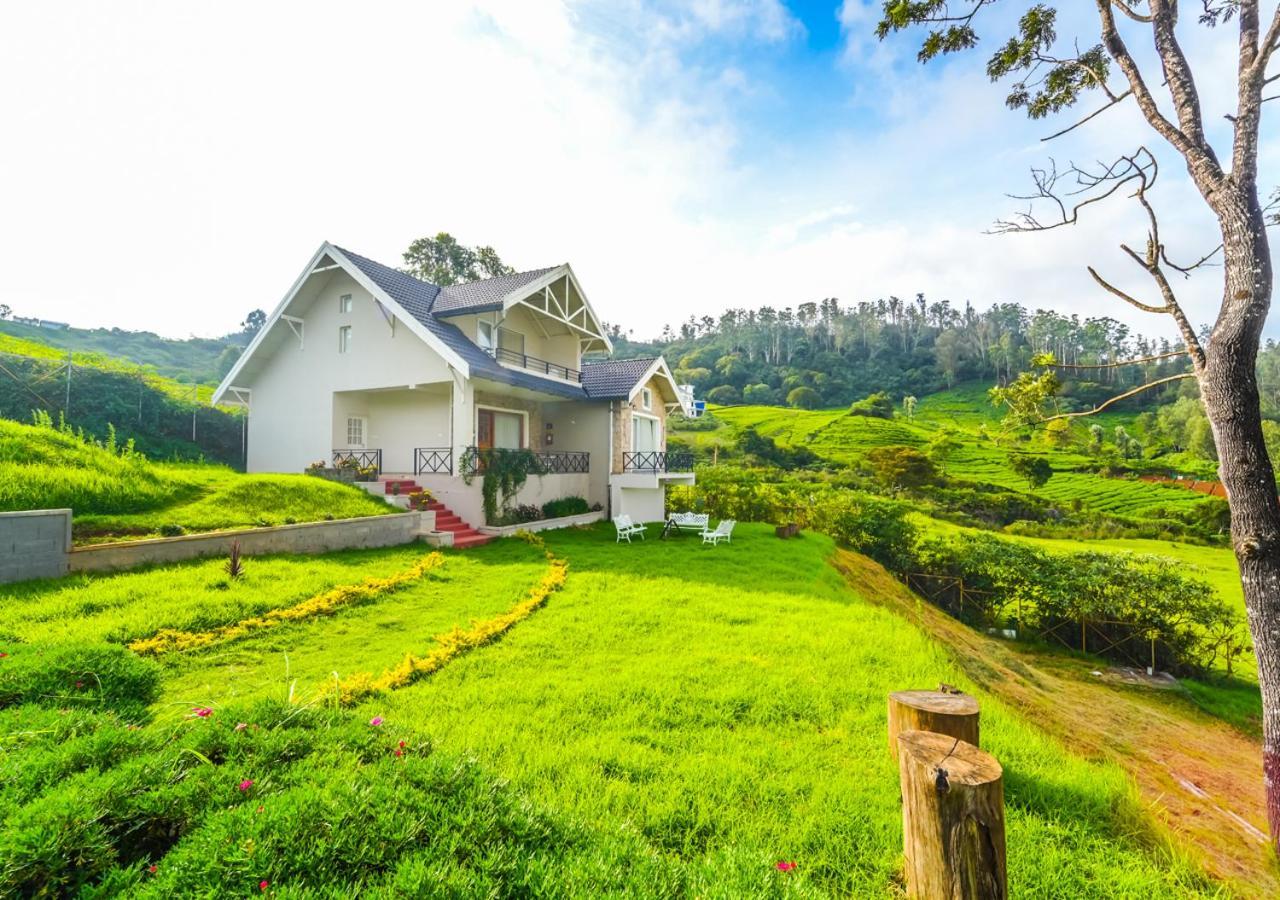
877 406
765 450
101 676
565 506
725 395
171 530
901 467
804 398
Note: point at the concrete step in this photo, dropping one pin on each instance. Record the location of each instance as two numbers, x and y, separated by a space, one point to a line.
443 519
472 540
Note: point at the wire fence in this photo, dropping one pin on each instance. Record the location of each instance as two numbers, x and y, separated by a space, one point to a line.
165 419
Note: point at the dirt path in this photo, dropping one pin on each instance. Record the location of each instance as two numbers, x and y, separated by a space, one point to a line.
1201 778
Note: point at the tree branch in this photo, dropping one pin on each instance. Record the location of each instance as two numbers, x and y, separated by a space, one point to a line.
1118 98
1116 399
1127 298
1182 85
1127 362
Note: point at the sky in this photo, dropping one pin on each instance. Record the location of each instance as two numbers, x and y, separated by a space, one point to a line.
170 166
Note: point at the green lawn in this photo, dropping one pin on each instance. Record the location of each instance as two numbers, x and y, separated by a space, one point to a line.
674 722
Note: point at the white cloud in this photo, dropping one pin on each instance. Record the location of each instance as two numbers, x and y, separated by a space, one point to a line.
171 167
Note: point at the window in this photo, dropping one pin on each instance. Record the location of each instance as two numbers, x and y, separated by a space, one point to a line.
355 431
645 434
511 340
495 428
344 303
344 339
646 398
484 335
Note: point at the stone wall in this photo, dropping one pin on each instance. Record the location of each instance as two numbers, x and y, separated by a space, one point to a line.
306 537
34 544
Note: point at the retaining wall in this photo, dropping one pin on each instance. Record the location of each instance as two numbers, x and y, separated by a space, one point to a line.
34 544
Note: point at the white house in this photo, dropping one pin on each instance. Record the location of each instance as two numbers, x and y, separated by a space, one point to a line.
362 360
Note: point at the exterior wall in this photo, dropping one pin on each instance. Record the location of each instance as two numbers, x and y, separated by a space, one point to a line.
308 537
642 504
624 416
397 422
291 419
34 544
532 409
466 499
582 426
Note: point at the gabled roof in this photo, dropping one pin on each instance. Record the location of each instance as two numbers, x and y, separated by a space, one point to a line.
613 379
485 295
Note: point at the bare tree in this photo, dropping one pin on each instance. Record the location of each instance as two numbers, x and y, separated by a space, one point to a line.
1047 74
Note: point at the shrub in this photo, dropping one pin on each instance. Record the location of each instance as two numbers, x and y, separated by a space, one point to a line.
804 398
901 467
725 395
101 676
1035 470
759 394
565 506
878 406
169 529
765 450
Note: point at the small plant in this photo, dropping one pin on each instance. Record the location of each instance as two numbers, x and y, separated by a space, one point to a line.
290 520
235 563
171 530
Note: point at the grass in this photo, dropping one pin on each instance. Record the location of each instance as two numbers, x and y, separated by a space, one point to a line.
114 494
692 715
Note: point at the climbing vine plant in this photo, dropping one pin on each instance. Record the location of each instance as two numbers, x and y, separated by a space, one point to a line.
503 473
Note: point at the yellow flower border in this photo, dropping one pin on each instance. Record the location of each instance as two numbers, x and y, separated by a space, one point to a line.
168 640
457 642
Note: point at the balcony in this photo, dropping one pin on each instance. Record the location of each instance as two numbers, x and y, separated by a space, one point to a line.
535 365
550 462
657 461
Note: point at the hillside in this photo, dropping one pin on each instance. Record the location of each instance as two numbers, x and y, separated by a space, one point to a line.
190 361
116 492
596 748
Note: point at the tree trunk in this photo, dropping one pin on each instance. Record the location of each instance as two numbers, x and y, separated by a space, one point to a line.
952 819
1229 390
955 715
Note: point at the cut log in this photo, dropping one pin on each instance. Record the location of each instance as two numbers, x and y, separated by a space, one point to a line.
953 714
952 819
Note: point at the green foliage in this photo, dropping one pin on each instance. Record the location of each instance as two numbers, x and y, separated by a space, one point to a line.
1035 469
764 451
77 675
565 506
901 467
803 398
878 405
442 260
1028 397
726 394
503 473
764 395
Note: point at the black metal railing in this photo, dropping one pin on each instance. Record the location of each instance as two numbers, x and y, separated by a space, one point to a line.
657 461
433 461
363 459
533 364
549 462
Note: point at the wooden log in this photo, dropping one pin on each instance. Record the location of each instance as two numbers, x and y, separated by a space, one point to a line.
952 819
941 712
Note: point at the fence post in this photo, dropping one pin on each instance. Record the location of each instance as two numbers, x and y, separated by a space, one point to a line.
953 836
952 714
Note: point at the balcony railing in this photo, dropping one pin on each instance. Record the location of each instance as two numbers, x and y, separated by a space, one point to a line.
657 461
433 461
364 459
549 462
533 364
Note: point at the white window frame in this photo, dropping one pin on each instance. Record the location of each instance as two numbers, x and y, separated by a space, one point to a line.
344 338
484 335
344 304
524 340
646 398
657 430
524 427
363 428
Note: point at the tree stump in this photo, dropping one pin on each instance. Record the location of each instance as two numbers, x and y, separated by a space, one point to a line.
952 819
942 713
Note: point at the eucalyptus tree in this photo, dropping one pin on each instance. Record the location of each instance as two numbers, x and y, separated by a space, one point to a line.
1047 73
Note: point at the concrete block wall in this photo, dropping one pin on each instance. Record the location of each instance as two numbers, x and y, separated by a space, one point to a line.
34 544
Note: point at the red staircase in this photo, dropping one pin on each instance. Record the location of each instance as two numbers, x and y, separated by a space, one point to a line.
446 519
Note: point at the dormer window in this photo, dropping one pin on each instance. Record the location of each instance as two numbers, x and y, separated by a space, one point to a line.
484 335
344 303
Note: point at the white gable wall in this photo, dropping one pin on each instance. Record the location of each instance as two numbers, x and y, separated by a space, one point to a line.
292 410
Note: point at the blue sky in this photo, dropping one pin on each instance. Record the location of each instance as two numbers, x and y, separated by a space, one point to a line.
171 166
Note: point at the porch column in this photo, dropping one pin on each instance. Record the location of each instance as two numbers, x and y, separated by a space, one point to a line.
462 418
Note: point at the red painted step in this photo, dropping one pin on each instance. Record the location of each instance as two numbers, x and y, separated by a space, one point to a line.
463 534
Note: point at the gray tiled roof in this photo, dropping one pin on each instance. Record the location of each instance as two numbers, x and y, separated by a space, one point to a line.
416 297
482 296
614 378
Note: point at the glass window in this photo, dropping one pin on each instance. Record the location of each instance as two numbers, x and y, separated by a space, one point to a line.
484 335
344 303
355 431
344 339
646 397
511 340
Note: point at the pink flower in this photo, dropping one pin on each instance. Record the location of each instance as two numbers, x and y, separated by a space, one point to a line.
241 726
399 753
785 866
263 884
402 745
246 784
376 721
152 868
202 712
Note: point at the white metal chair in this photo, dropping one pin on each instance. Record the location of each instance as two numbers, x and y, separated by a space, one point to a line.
723 532
690 521
626 528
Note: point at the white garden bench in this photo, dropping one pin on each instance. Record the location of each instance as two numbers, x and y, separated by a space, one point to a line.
626 528
686 521
723 532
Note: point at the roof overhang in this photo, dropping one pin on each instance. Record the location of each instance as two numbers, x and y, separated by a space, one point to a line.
558 296
325 261
666 381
